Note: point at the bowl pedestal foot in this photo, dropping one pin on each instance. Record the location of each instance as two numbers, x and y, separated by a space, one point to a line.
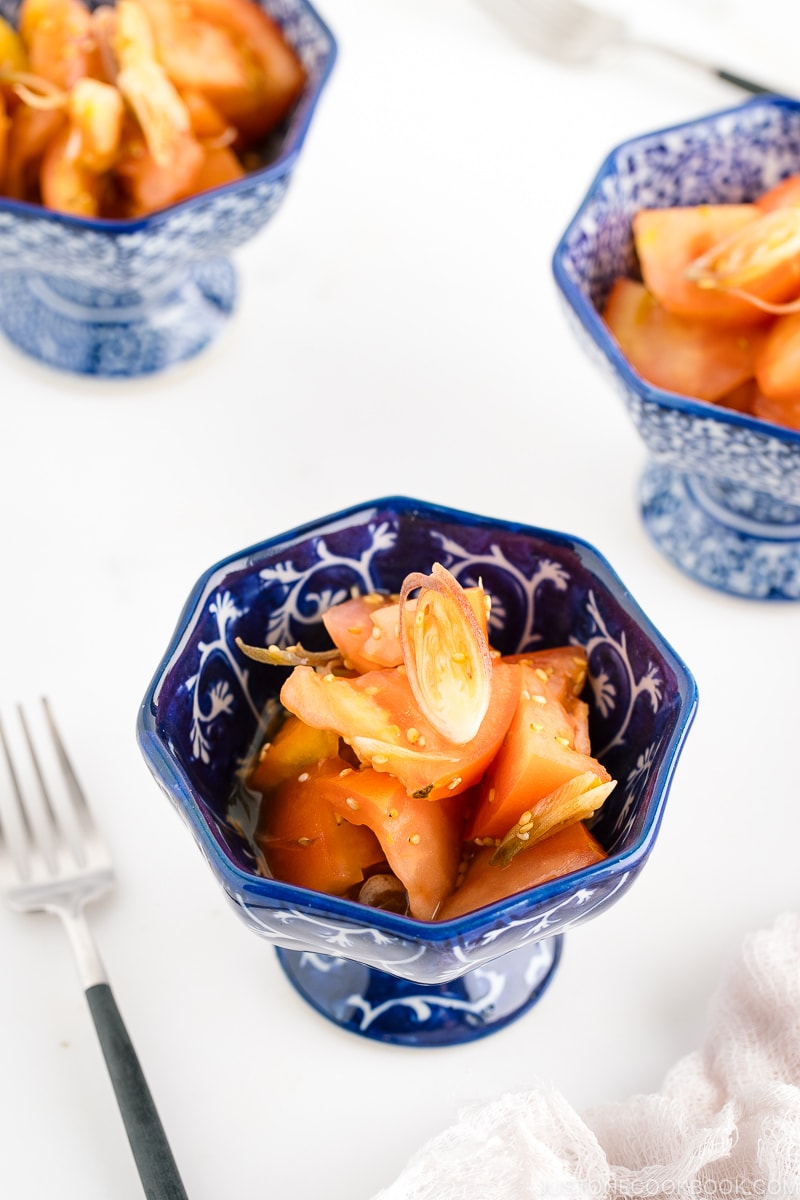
723 534
386 1008
91 331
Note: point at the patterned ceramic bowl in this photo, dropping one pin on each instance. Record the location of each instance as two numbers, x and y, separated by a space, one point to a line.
126 298
721 491
378 973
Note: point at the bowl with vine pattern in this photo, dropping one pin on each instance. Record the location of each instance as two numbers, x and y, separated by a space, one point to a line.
720 493
378 973
126 298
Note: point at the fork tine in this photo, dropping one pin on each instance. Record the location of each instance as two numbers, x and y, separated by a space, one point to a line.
52 836
7 857
80 806
16 850
44 831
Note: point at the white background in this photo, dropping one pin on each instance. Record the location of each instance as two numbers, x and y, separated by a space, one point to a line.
398 330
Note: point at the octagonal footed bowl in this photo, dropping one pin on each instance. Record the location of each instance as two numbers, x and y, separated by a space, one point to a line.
127 298
720 493
382 974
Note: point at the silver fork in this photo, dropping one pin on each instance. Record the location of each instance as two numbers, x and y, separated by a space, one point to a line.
53 859
572 32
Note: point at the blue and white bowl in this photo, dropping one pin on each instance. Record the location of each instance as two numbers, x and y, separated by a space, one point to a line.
127 298
721 491
381 974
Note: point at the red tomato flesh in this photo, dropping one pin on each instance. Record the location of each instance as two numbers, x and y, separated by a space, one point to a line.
778 364
294 747
420 839
304 840
782 195
690 357
367 628
569 850
538 754
668 240
377 715
784 412
565 669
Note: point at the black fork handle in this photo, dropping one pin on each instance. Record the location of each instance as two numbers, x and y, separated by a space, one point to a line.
154 1159
740 81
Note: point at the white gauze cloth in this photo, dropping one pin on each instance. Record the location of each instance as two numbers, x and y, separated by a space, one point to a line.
725 1124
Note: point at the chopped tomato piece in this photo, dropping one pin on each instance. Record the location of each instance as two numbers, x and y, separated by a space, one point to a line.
562 668
784 412
294 747
30 134
206 120
782 195
743 398
668 240
569 850
691 357
565 669
377 715
420 839
5 125
233 52
537 756
778 364
576 800
759 263
366 630
65 184
306 843
220 165
13 56
147 184
60 40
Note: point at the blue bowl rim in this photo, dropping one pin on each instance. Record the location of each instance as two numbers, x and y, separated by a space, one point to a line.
590 318
256 887
280 166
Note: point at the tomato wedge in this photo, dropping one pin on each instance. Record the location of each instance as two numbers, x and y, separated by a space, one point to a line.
5 125
420 840
668 240
784 412
367 628
377 714
783 194
294 747
569 850
537 756
233 52
687 356
564 669
760 263
367 631
778 364
306 843
60 39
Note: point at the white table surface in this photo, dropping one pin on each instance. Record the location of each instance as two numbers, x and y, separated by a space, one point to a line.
398 330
